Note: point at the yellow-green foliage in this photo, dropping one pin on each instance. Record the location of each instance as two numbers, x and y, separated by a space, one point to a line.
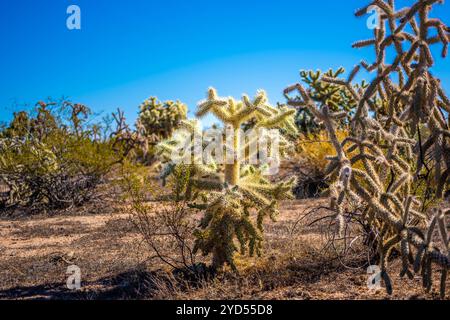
235 197
50 163
316 148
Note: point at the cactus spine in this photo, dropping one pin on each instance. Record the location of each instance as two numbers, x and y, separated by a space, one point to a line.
231 193
399 137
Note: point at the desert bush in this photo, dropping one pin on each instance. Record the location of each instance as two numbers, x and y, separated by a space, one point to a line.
167 227
313 149
399 132
51 161
235 197
127 143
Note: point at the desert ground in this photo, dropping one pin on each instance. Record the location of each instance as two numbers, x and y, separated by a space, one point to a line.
115 263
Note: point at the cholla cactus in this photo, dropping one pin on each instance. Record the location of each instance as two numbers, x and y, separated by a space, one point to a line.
156 122
398 141
231 193
158 119
338 98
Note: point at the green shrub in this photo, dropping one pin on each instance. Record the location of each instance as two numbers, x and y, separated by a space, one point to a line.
49 162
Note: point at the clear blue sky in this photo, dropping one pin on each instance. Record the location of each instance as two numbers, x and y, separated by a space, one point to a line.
129 50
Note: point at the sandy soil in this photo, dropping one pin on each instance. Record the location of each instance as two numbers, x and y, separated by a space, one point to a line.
115 263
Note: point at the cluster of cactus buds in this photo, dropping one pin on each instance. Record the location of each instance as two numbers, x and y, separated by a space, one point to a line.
230 193
398 140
